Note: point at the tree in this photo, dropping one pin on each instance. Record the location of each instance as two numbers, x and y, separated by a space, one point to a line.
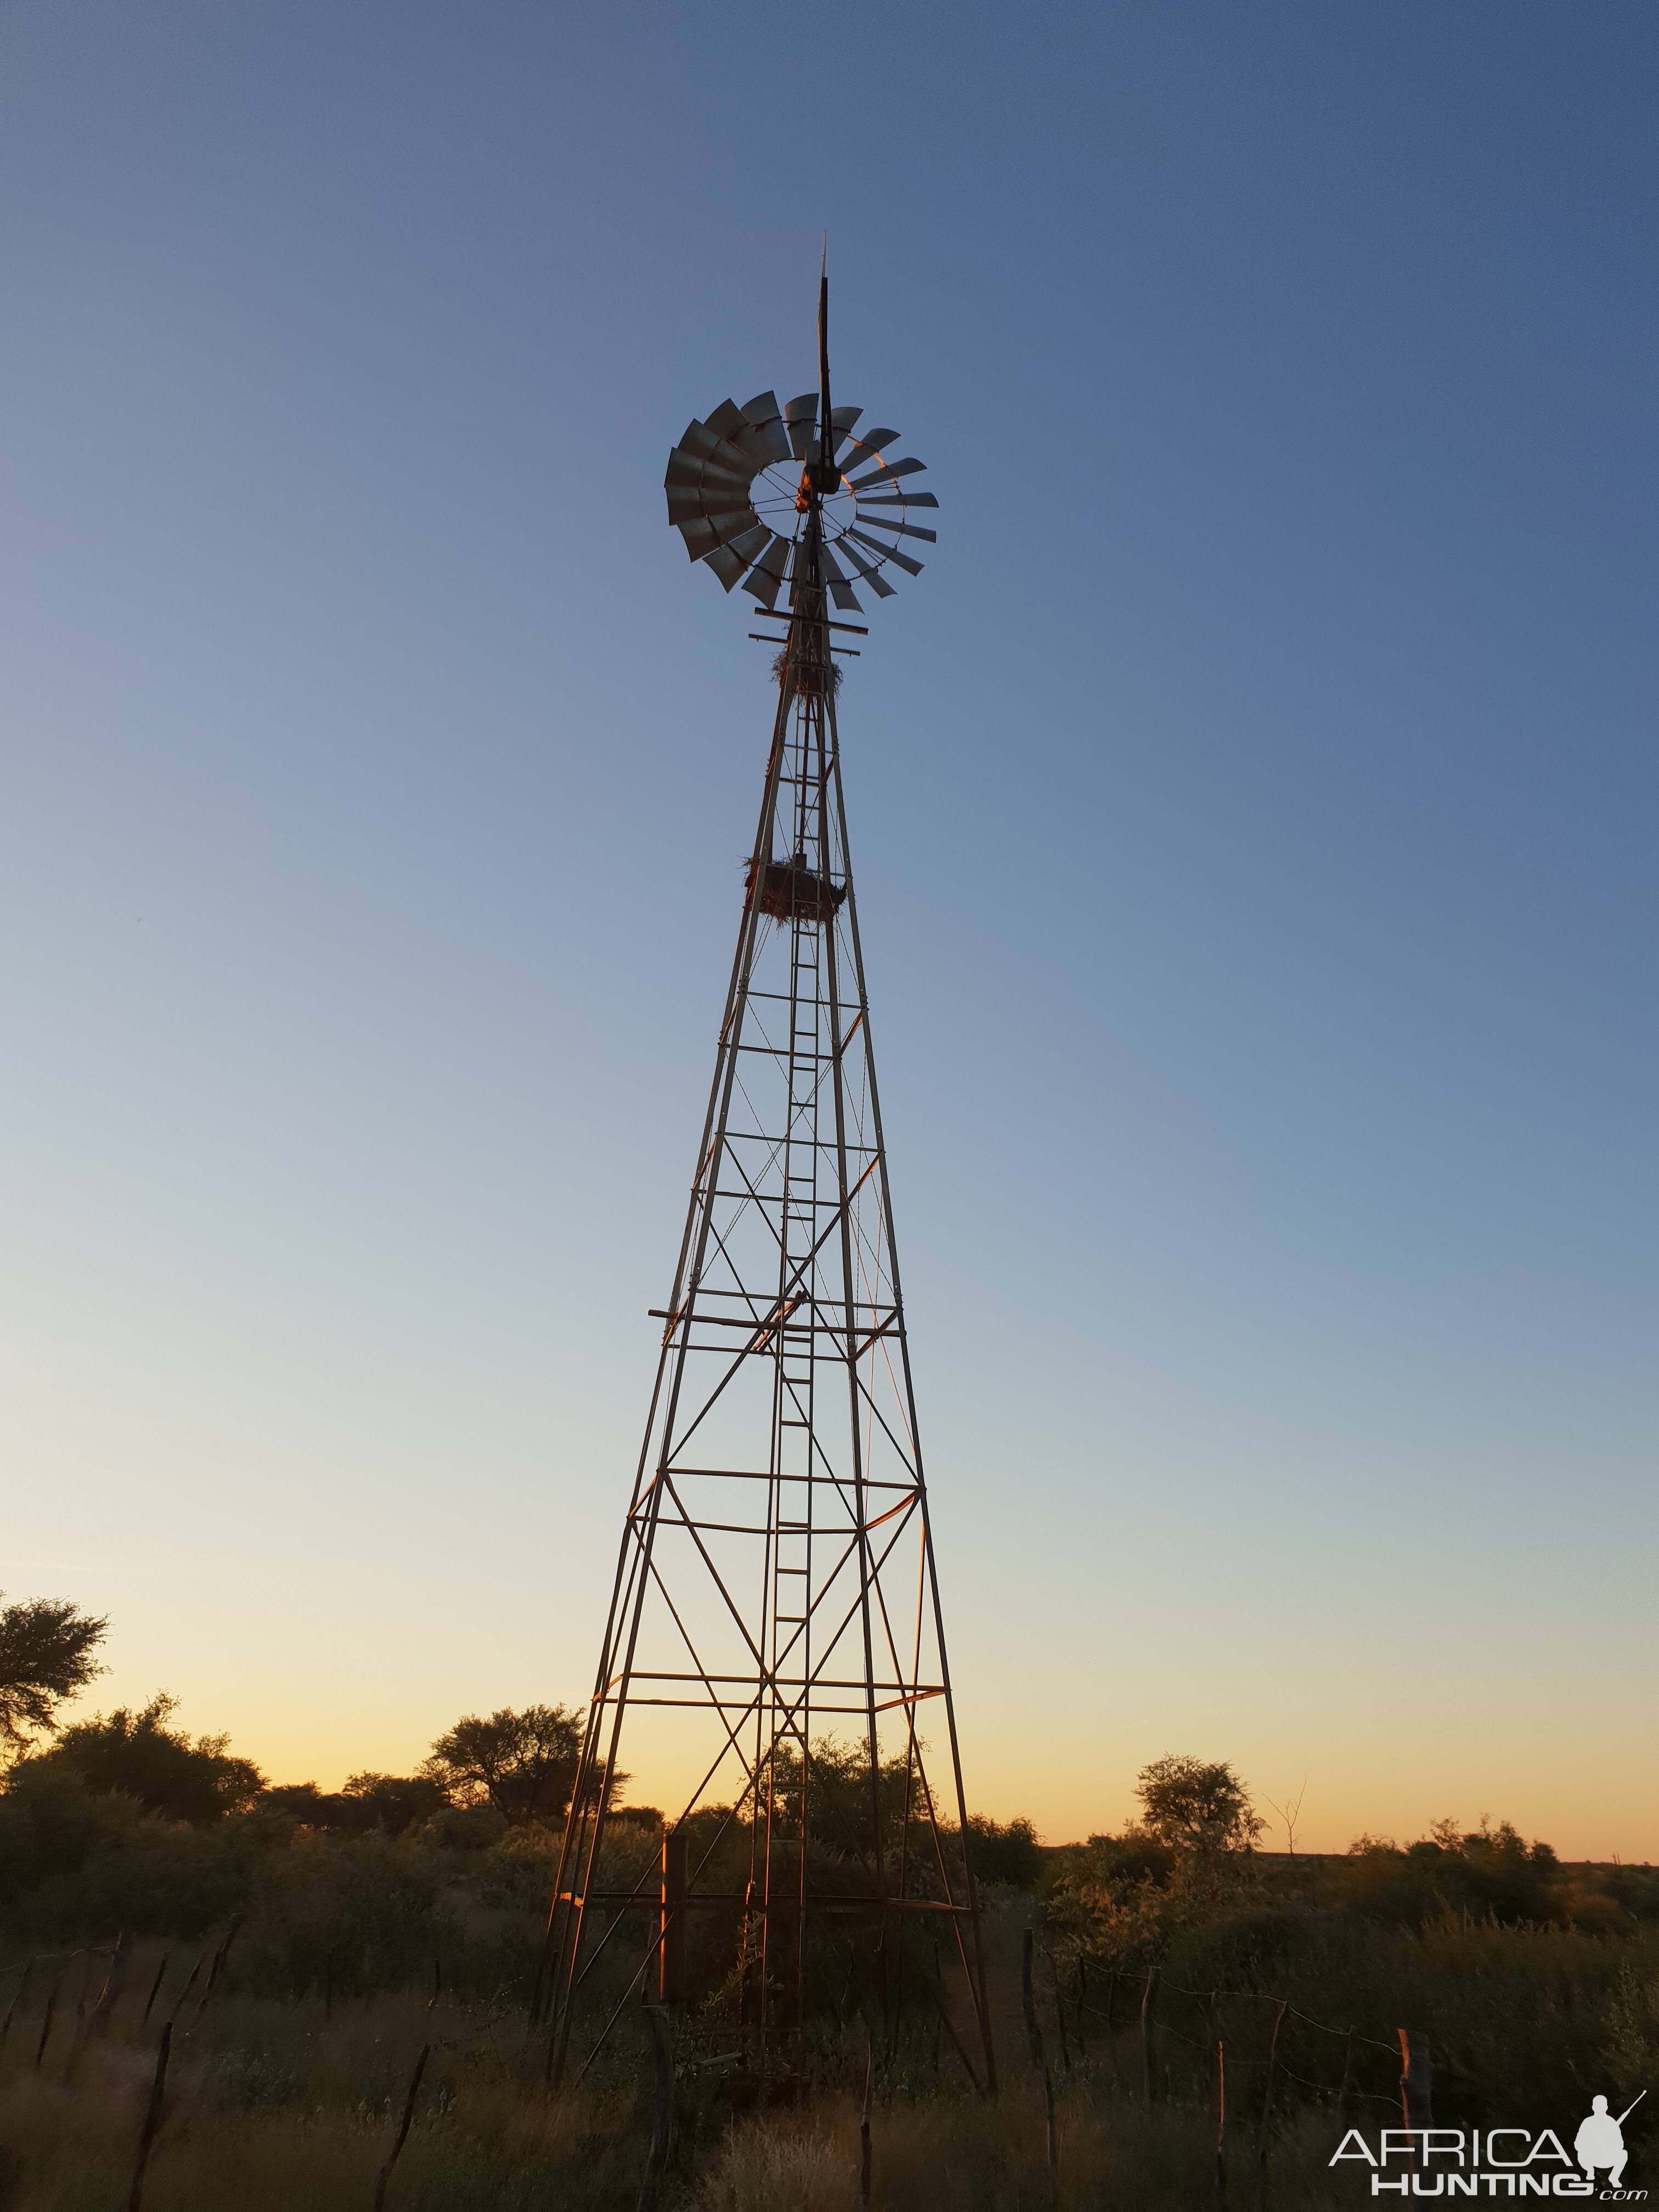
46 1654
391 1802
523 1763
1005 1850
394 1801
1291 1814
1197 1807
160 1767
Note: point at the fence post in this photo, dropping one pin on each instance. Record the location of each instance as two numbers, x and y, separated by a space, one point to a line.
662 2111
1267 2099
152 2118
51 2008
671 1931
16 1999
1028 2000
215 1970
1053 2136
864 2124
1220 2121
114 1982
1148 2052
1060 2011
1416 2083
403 2125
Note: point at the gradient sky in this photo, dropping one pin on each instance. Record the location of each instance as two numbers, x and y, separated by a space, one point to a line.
1253 805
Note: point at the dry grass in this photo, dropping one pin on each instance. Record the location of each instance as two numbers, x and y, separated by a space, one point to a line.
284 2105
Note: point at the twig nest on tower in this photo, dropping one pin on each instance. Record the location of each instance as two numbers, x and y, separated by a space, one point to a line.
790 890
809 676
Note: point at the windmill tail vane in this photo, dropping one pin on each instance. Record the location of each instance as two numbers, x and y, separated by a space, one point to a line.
774 1645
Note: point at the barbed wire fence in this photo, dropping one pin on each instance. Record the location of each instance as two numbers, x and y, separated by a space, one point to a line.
1219 2056
1138 2002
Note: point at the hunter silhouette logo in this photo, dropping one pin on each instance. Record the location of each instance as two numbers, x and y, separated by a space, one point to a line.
1600 2141
1500 2161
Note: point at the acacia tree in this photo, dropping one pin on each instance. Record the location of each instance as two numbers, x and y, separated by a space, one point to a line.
47 1652
522 1763
1197 1807
167 1772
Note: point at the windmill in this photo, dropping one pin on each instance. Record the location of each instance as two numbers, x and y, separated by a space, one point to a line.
774 1626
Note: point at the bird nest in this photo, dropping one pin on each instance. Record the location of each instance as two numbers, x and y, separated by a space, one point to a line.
809 676
789 891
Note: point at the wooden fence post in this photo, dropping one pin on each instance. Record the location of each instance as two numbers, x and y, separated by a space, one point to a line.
189 1983
1416 2084
16 1999
78 2031
662 2112
671 1928
51 2008
403 2125
1267 2099
1060 2011
864 2125
114 1982
1053 2135
1028 2000
152 2118
1220 2122
1148 2051
216 1969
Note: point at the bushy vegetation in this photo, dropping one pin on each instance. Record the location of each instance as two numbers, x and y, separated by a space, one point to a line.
305 1944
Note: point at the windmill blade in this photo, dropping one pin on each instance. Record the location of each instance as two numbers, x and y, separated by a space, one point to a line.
827 559
897 499
878 583
709 531
867 446
725 419
800 417
699 441
725 517
712 474
905 529
706 482
763 444
845 598
699 536
887 552
752 544
725 565
703 444
764 438
883 473
686 506
842 419
766 577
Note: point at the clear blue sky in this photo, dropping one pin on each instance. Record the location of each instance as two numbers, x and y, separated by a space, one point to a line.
1253 805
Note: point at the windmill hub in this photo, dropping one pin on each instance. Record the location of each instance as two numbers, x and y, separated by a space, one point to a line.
735 498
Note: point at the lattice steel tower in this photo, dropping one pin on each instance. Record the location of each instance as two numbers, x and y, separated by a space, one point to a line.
775 1585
